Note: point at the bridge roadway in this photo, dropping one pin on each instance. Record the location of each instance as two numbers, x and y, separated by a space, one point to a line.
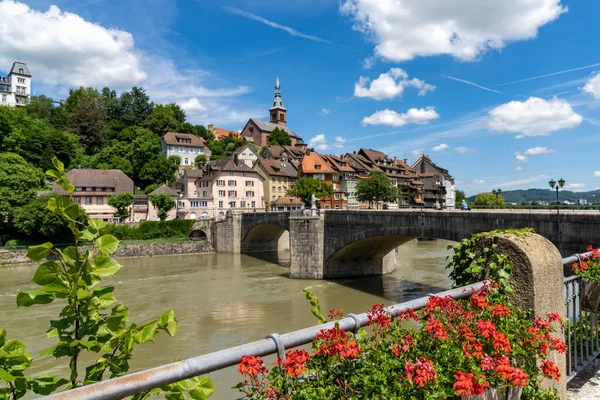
347 243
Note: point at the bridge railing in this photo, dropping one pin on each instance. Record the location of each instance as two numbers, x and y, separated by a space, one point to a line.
273 344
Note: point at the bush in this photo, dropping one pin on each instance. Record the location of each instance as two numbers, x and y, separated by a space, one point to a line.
178 228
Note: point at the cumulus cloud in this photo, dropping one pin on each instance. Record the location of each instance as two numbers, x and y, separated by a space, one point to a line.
405 29
534 117
518 169
420 116
596 173
575 187
592 86
193 106
319 142
464 150
339 142
479 181
417 152
389 85
441 147
325 111
520 157
538 150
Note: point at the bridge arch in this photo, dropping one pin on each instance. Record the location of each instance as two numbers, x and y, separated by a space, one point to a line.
198 234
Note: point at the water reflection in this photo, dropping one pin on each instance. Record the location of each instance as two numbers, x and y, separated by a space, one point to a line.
222 300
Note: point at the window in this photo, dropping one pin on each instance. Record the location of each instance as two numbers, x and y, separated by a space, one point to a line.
336 178
273 198
78 200
274 188
198 204
220 182
317 166
253 204
281 117
88 200
221 204
249 183
243 204
320 177
21 71
186 161
244 174
99 201
89 189
231 183
205 193
181 204
21 80
221 193
232 204
232 193
4 98
250 193
336 196
337 206
279 189
79 189
251 129
195 193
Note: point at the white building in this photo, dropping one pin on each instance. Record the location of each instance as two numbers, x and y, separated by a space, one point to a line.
184 145
15 89
247 155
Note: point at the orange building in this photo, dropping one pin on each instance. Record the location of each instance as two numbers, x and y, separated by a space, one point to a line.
317 166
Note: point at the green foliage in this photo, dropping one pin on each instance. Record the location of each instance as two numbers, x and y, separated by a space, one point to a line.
589 267
151 188
91 321
147 230
200 160
473 261
316 309
460 196
163 203
19 181
377 187
279 137
489 200
121 202
86 117
306 187
165 118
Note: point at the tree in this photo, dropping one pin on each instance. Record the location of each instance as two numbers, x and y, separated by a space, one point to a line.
200 160
33 219
306 187
121 202
19 181
279 137
40 107
165 118
488 199
86 116
377 187
460 196
135 106
163 203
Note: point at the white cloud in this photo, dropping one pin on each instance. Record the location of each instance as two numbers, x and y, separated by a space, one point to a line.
325 111
596 173
389 85
479 181
319 142
193 106
593 86
518 169
575 187
520 157
420 116
418 152
538 150
339 142
441 147
464 150
405 29
534 117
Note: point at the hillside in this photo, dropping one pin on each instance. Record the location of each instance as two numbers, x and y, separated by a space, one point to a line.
517 196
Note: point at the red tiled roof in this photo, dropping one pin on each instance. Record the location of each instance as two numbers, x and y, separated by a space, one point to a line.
288 201
310 162
183 139
277 168
221 133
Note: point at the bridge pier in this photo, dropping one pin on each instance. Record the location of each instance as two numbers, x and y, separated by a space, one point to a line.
307 238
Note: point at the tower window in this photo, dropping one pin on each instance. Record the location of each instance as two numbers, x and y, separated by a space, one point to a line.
251 129
281 117
21 70
274 116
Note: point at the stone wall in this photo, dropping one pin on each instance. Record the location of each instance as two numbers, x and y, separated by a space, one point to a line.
129 250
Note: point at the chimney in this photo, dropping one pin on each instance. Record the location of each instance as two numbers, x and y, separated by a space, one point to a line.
354 152
308 152
405 160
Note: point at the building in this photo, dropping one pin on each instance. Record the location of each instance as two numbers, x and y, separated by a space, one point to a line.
286 203
184 145
152 214
425 165
314 165
220 133
258 131
222 185
279 175
93 187
247 154
433 189
15 89
347 180
285 153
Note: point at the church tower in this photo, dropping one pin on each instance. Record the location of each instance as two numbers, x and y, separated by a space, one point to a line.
278 111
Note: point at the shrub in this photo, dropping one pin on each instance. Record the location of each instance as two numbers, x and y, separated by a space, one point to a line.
178 228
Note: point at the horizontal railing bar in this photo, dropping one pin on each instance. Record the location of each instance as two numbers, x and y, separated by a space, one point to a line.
156 377
575 257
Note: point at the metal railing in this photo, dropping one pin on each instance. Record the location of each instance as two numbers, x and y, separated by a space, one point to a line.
273 344
582 333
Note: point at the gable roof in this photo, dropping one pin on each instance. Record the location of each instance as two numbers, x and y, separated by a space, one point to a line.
336 162
164 189
247 145
221 133
288 201
183 139
360 163
311 160
193 173
277 168
98 178
17 66
269 126
229 164
426 159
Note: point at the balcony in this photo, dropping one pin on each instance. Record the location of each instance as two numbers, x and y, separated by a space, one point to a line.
21 93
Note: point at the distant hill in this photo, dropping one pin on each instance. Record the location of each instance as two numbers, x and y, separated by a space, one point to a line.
517 196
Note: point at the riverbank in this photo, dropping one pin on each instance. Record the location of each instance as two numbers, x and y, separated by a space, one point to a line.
128 249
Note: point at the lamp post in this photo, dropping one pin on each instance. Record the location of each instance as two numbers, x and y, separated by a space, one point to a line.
553 184
497 192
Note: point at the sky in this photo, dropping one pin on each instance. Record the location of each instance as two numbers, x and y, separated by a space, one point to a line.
503 94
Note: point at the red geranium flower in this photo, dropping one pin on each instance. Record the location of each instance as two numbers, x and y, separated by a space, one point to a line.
295 362
252 366
550 370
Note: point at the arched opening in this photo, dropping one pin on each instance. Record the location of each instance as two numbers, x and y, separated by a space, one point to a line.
192 215
268 241
198 234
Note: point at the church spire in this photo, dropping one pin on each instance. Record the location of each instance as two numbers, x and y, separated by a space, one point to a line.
278 111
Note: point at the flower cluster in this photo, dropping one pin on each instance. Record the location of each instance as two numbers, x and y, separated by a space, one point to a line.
588 267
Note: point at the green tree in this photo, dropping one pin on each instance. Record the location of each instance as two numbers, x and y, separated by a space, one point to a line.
377 187
135 106
117 155
163 203
121 202
488 199
151 188
40 107
460 196
19 181
306 187
279 137
200 160
86 116
165 118
34 221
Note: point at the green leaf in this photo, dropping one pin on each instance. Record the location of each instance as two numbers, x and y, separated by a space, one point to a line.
83 294
72 211
37 253
105 266
147 333
27 299
46 273
168 322
203 388
106 300
86 235
5 376
13 348
2 337
107 244
52 173
58 164
97 224
45 384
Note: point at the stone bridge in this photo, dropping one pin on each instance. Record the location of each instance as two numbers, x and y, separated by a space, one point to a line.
357 243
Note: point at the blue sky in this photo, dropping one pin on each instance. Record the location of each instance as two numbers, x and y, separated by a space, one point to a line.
463 81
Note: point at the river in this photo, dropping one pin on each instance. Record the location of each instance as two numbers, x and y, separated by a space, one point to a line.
222 300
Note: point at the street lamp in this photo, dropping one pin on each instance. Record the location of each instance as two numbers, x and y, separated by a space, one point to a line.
558 185
497 192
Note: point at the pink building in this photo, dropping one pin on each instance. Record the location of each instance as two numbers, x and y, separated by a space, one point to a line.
224 184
